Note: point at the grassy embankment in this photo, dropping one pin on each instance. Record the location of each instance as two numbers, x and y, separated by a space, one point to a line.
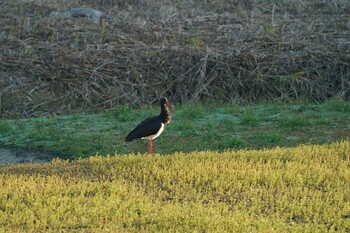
301 189
194 127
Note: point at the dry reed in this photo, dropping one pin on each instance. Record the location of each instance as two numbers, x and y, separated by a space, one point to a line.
197 51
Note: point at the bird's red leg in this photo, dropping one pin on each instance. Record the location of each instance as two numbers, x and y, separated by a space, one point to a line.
150 147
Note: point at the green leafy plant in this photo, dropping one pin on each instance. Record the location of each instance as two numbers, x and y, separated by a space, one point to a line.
194 40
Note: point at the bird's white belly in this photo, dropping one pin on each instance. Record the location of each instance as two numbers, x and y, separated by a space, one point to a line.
154 136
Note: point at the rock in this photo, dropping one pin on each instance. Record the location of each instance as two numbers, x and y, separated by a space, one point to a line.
92 14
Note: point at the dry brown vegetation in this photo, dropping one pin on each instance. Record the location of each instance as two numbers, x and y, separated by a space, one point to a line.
196 50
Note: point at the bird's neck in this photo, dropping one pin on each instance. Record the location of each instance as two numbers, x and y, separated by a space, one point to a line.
165 114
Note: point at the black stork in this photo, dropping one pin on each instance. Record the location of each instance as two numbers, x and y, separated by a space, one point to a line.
151 128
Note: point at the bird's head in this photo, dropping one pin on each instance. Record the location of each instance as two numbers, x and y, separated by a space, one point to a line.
164 101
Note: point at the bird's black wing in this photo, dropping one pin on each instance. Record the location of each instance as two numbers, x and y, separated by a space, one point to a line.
146 128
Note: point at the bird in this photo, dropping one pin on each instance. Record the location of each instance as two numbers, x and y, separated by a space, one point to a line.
152 127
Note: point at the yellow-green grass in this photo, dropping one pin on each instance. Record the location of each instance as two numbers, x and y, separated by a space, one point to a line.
300 189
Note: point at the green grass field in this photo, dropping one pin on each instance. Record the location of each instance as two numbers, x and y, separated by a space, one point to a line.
193 127
300 189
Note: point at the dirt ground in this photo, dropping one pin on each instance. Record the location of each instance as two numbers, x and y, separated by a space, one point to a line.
11 156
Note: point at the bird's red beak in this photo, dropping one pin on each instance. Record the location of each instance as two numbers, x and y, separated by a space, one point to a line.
167 103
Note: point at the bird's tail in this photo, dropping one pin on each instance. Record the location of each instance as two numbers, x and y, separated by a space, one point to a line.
130 137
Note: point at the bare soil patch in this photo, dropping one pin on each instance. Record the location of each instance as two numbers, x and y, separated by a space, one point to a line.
10 156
